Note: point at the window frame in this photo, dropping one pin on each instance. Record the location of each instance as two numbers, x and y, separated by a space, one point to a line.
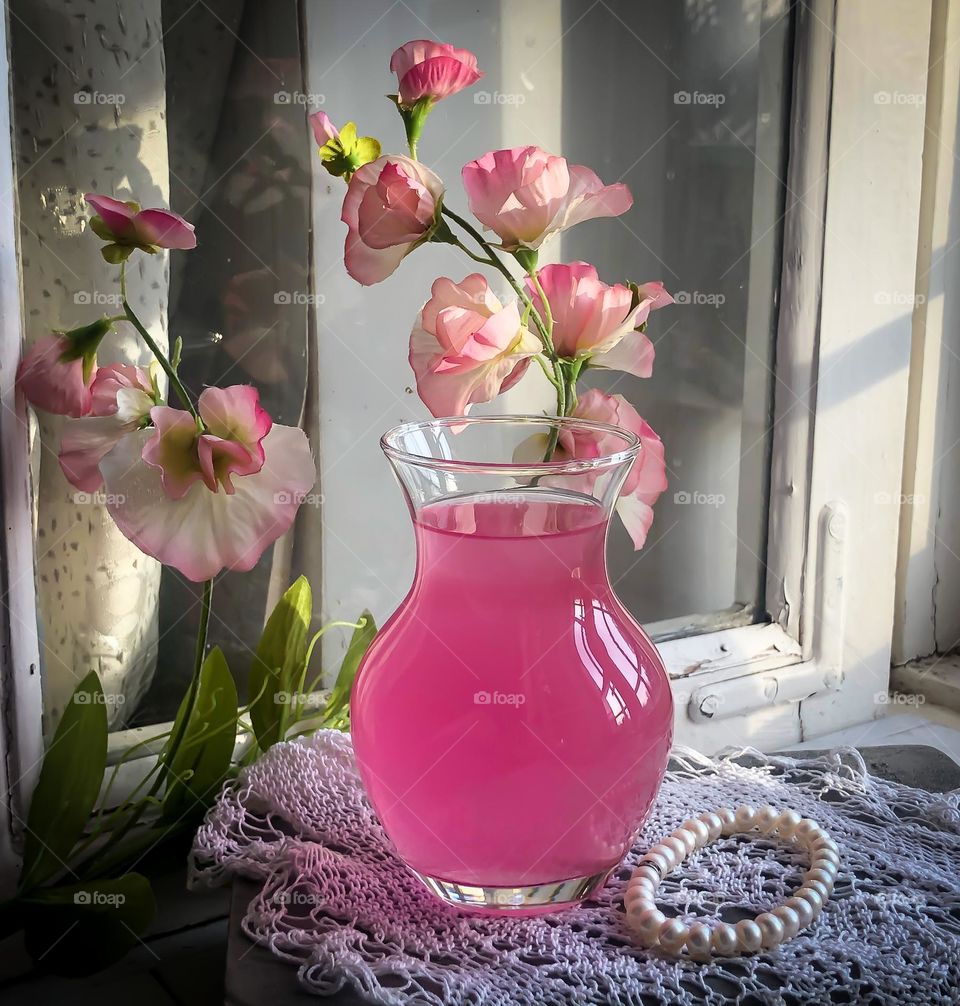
809 669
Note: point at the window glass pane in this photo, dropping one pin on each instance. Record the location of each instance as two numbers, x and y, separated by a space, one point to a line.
683 101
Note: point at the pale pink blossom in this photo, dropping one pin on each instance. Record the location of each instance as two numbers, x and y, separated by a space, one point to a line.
466 347
122 397
432 70
525 194
390 207
127 226
205 501
647 478
594 321
52 378
323 129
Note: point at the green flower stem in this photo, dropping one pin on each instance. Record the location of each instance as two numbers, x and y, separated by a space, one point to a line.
494 260
161 357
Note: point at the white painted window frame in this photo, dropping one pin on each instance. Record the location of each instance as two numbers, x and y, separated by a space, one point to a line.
853 184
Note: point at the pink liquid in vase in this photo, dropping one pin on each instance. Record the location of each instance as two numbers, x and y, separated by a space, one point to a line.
511 721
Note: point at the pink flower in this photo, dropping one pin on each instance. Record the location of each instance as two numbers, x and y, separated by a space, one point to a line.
323 129
648 476
594 321
52 378
655 292
390 207
205 501
122 397
467 347
127 227
525 194
432 70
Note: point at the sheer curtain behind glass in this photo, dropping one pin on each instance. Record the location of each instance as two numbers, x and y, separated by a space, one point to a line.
684 102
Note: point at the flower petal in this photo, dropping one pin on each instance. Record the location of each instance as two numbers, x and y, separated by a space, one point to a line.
637 517
164 229
83 444
53 384
323 129
115 214
205 532
633 354
172 448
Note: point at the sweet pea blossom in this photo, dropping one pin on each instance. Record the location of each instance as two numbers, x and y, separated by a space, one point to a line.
525 194
57 372
466 347
390 207
323 129
594 321
432 70
648 476
205 500
122 397
127 227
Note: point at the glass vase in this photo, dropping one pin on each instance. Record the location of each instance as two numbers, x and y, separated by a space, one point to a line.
511 721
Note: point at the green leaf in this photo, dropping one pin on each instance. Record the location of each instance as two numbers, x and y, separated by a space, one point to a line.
278 665
69 784
200 763
336 713
79 929
115 254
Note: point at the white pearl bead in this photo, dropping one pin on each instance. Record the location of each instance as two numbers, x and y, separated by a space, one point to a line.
673 935
677 847
644 880
698 941
749 935
771 929
713 824
825 877
803 908
787 823
813 898
766 819
745 817
822 891
808 831
647 926
646 871
788 919
636 896
821 856
700 832
687 839
657 862
728 820
724 939
824 842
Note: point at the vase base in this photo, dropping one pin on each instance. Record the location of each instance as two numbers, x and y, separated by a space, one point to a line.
535 899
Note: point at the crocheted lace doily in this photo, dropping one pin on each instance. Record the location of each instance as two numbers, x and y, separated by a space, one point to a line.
338 903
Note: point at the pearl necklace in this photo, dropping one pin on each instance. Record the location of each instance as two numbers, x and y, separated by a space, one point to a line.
770 928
